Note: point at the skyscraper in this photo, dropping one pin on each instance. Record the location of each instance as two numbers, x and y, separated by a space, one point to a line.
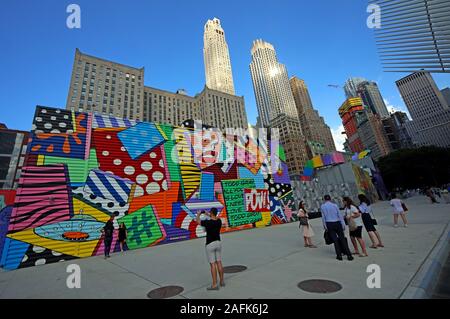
429 111
276 104
271 84
372 134
316 131
348 113
351 86
363 128
106 87
217 58
371 96
446 93
396 133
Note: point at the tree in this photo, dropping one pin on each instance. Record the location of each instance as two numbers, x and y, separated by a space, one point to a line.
414 168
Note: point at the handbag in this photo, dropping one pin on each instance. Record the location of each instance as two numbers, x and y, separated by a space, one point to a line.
405 209
351 224
327 237
372 216
303 221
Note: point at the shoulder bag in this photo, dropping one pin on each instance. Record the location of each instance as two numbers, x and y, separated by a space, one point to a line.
374 221
303 220
351 223
327 237
405 209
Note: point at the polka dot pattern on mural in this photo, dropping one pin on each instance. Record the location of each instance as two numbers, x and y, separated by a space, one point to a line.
108 206
148 171
36 256
52 121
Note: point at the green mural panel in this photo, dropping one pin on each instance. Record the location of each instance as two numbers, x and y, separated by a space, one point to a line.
2 202
233 193
281 153
78 168
142 227
174 168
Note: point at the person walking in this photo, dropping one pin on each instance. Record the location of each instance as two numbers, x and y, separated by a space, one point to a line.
305 226
429 192
213 246
366 214
355 225
399 208
334 224
108 231
122 236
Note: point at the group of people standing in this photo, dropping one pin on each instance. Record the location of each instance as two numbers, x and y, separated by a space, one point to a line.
334 224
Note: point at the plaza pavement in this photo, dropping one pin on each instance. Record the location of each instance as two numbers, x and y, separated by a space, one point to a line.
275 257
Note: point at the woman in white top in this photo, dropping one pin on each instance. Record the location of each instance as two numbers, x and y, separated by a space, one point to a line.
353 217
398 209
305 226
366 215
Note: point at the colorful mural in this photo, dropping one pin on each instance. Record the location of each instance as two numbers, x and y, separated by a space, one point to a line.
84 169
364 183
334 158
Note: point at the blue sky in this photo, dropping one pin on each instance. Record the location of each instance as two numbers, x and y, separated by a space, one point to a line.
323 42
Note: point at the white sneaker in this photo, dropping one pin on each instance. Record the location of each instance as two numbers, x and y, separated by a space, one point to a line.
406 225
395 226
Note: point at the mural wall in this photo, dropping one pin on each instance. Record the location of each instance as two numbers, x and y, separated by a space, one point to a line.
85 169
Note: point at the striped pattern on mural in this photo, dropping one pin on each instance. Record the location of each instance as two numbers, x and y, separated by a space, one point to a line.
190 173
105 121
108 186
43 197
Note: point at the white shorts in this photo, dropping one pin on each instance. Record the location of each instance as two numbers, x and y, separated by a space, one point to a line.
214 251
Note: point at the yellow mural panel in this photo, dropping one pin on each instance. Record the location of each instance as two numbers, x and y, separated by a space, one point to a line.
80 207
265 221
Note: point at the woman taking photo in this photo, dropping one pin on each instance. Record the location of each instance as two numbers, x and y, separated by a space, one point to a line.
305 226
355 225
366 214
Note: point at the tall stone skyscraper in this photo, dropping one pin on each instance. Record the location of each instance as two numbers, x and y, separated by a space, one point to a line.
271 84
429 111
217 58
276 104
314 128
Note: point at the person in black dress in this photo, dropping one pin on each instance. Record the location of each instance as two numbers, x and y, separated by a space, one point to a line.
108 231
122 236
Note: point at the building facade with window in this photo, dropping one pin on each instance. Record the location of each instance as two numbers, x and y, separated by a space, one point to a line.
106 87
429 110
316 131
219 76
213 108
12 155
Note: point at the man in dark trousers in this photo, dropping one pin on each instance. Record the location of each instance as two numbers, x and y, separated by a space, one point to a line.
108 231
213 246
333 222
